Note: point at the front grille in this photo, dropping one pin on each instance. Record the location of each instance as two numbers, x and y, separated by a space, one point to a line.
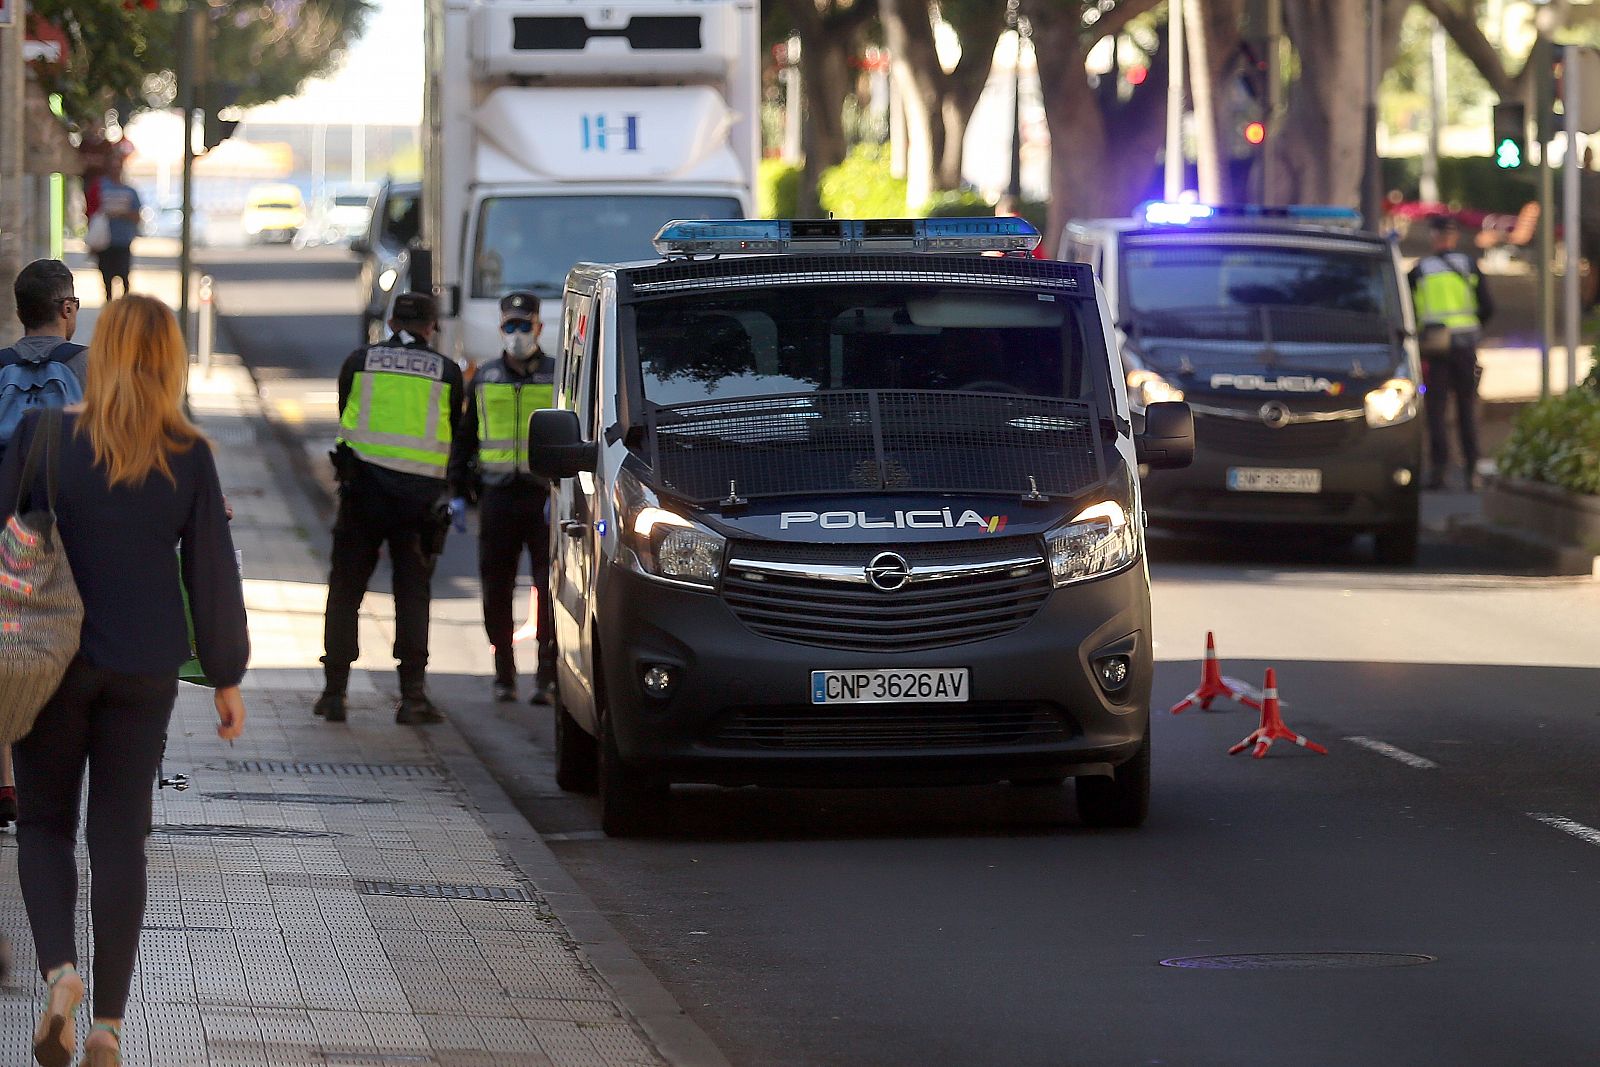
1224 505
1249 437
858 617
882 726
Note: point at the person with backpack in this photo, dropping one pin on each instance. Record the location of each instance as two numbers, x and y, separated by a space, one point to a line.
43 369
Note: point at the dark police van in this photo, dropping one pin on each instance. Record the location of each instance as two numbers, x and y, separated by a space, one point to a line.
1290 334
846 503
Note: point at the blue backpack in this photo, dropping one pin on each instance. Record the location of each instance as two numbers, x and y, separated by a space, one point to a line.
26 387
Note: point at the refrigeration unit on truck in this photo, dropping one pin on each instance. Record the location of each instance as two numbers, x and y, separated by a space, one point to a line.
559 131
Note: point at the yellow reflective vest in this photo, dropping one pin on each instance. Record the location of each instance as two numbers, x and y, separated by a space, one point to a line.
504 406
1446 292
398 412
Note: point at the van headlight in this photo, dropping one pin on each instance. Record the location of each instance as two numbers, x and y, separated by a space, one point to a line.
1146 387
1393 402
663 543
1100 539
387 279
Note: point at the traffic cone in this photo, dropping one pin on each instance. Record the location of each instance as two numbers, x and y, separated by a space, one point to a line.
529 631
1214 685
1272 727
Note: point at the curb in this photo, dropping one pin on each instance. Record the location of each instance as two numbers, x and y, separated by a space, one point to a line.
637 991
1520 546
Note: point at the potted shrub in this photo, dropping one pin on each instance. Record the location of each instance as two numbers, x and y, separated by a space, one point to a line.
1549 479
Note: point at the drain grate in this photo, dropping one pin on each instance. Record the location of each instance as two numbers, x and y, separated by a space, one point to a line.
367 770
1298 961
202 829
297 798
501 893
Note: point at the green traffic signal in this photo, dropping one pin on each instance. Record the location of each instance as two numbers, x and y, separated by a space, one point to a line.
1510 134
1508 156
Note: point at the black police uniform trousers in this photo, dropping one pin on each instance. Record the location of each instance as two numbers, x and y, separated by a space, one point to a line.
368 519
1453 378
511 519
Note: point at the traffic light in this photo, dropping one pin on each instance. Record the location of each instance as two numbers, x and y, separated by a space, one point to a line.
1510 135
215 98
1255 132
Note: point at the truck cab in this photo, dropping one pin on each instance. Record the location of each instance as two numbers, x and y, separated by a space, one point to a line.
1290 334
560 131
847 502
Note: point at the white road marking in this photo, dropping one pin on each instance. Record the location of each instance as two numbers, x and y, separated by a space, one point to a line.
1410 759
1565 825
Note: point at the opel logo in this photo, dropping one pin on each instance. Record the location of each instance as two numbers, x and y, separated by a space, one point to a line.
888 571
1275 414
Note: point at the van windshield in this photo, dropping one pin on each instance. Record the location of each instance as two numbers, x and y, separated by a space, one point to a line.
792 339
530 242
1170 276
818 389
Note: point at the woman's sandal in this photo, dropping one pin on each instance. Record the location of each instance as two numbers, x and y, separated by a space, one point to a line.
56 1036
104 1055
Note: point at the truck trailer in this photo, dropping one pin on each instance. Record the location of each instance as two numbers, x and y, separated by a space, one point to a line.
559 131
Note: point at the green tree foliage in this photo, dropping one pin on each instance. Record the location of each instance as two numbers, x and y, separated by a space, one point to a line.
261 49
861 187
1557 441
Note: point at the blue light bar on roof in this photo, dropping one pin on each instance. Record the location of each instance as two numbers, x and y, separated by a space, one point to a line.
1166 213
755 236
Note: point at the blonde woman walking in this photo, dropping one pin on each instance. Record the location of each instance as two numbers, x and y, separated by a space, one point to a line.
136 482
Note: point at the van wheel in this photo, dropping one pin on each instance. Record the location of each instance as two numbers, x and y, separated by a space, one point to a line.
577 755
630 804
1121 800
1396 546
1038 781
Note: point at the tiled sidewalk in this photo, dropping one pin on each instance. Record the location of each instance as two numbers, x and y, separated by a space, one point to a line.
321 896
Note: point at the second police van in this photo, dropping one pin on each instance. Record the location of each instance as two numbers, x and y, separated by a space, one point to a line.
1290 334
848 502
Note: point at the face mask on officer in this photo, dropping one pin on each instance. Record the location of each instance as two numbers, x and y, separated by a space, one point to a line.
521 337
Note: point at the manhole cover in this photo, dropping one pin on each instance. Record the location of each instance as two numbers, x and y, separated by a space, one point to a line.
231 830
297 798
1298 961
369 770
444 892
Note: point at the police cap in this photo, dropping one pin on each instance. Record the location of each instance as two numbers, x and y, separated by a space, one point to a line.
519 304
415 307
1442 223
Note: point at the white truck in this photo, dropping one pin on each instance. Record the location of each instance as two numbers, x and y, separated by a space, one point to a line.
559 131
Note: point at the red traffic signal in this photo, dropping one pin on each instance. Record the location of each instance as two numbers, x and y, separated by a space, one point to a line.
1255 132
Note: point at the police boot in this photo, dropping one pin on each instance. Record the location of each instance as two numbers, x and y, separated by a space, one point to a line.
330 705
505 676
414 708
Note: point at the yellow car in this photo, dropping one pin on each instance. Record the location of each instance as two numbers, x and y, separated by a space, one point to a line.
273 213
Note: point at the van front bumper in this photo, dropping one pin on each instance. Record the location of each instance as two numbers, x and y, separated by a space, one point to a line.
740 710
1370 477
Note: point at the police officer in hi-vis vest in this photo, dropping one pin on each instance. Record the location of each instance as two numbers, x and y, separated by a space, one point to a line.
513 510
1452 305
399 401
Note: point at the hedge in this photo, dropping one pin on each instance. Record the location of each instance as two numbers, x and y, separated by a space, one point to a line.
1557 440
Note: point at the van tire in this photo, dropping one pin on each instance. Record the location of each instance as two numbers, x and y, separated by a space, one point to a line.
1121 800
630 804
1396 546
577 754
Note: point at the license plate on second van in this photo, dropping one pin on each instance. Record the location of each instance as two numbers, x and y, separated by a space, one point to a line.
1274 480
944 686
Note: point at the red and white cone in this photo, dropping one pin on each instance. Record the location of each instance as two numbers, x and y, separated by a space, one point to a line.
1272 727
1214 685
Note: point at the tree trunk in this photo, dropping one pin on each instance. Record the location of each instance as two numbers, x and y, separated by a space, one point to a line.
827 41
1318 157
957 111
914 65
1221 20
978 24
1202 82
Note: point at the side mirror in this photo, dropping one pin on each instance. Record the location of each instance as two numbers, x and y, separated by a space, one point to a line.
359 246
556 448
1168 439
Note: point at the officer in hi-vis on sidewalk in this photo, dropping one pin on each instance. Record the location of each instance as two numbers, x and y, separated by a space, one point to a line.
514 515
399 401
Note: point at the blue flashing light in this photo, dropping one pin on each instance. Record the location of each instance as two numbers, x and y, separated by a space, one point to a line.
757 236
1166 213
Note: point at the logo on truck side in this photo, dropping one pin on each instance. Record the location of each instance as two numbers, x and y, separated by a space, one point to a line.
601 136
930 519
1282 384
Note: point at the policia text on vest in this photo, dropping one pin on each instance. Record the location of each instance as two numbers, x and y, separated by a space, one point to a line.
399 402
513 515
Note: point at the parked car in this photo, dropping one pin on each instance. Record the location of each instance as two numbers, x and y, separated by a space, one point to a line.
273 213
394 221
339 218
